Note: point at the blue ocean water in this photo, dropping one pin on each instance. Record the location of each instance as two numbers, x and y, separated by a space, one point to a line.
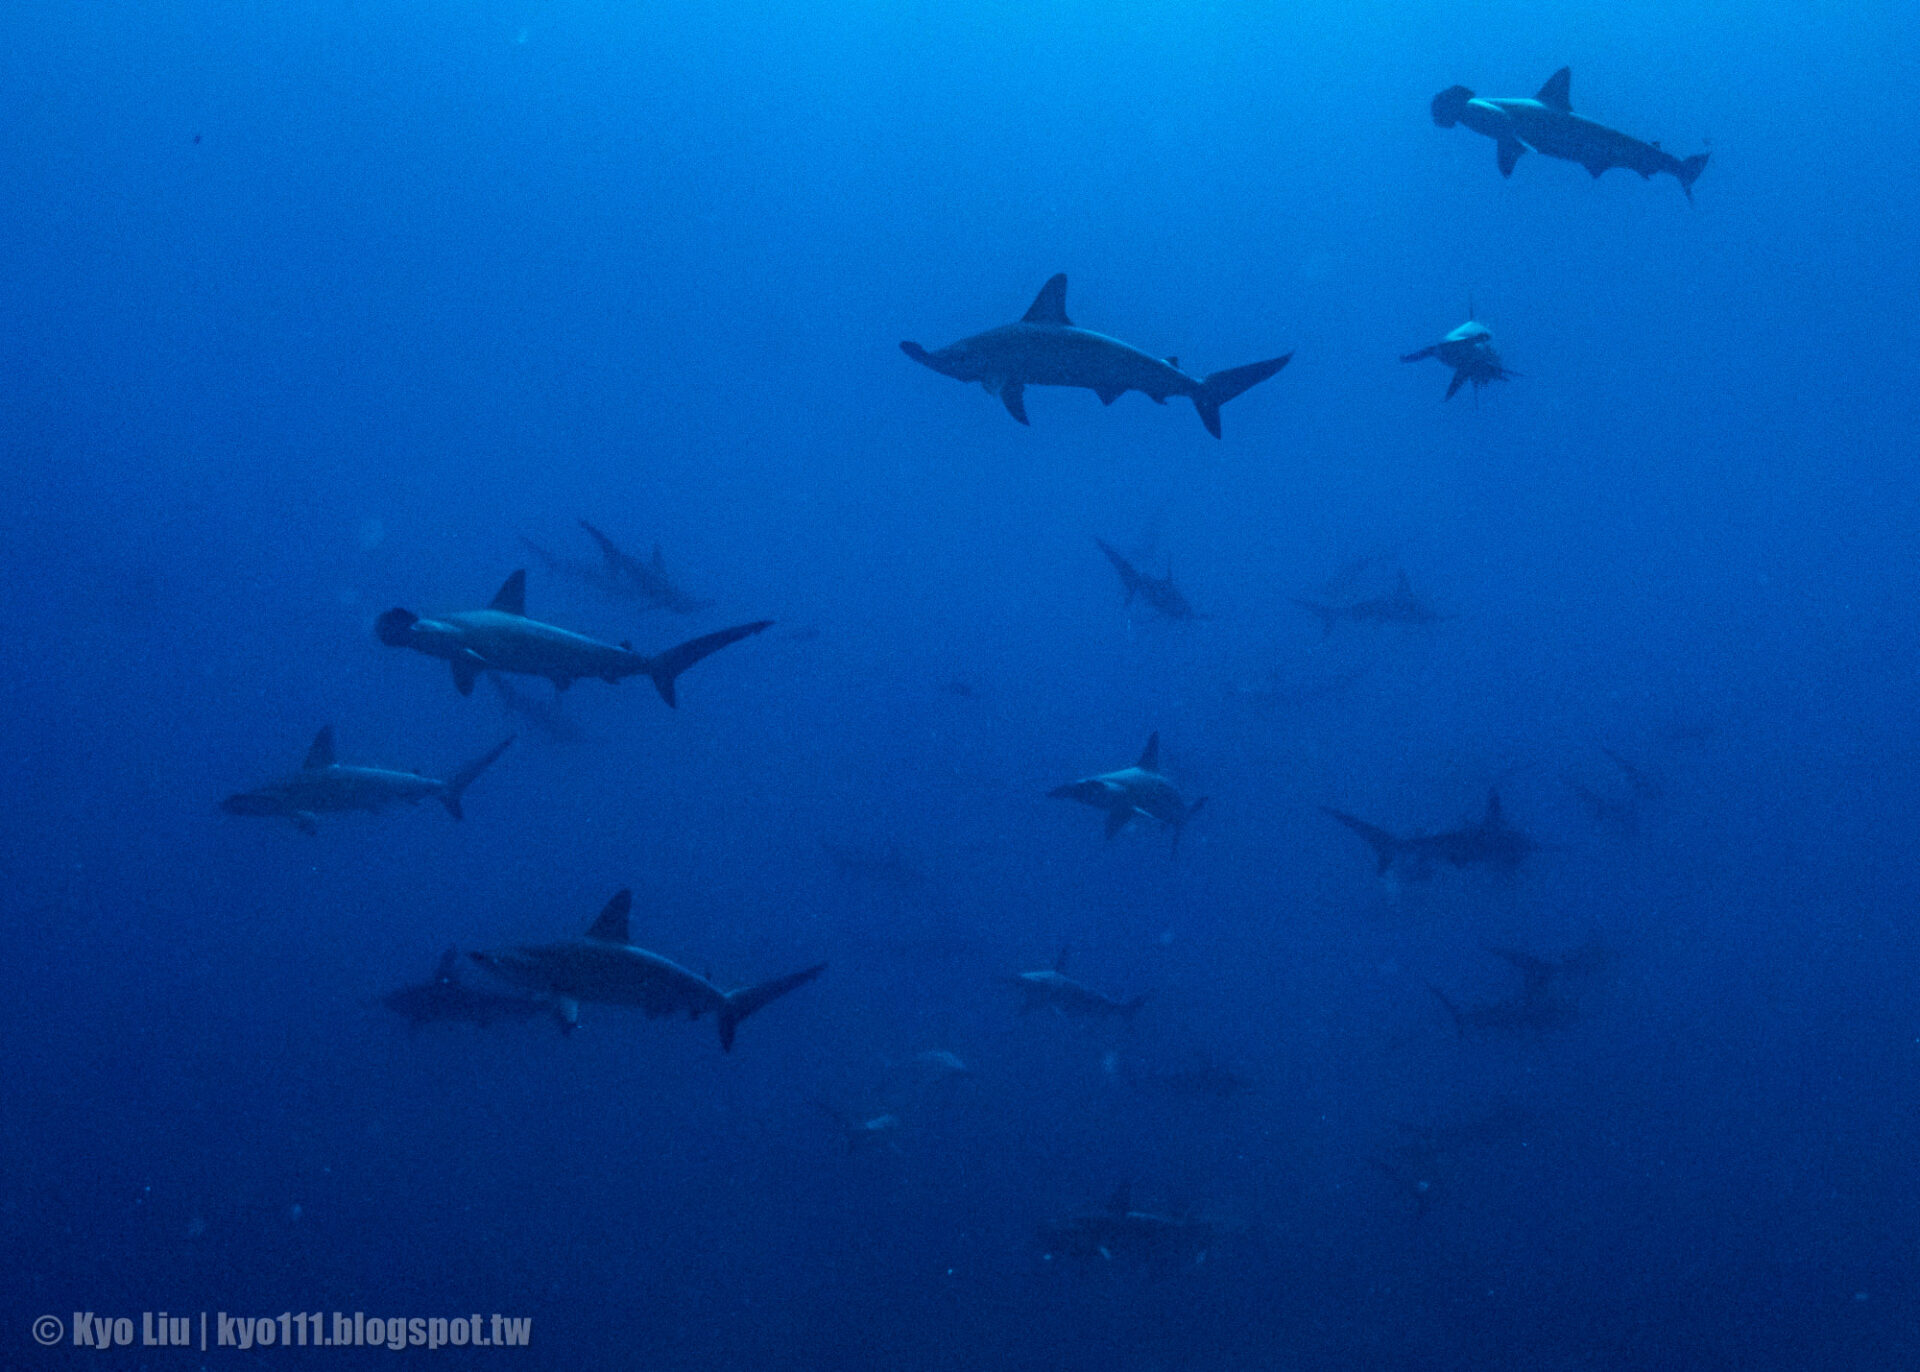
312 309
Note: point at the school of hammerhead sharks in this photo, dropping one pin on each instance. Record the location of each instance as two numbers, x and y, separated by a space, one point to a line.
1043 348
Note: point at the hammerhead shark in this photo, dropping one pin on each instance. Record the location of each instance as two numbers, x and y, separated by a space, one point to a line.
445 999
1159 592
1547 124
1137 790
1491 842
323 786
1469 351
1549 995
1052 989
622 576
1122 1233
1045 348
1398 606
606 968
501 638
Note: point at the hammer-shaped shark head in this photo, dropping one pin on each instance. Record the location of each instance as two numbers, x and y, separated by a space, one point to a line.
1449 105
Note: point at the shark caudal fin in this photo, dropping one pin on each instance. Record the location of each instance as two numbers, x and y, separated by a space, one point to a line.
1385 846
1453 1011
665 668
611 553
739 1004
1129 577
1221 387
1329 615
1689 171
457 783
1180 824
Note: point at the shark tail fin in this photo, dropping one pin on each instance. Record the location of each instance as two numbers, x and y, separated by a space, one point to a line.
1129 578
739 1004
1385 846
1180 825
1329 616
457 784
1453 1011
1221 387
1689 171
665 668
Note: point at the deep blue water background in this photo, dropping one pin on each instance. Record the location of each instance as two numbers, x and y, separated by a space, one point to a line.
306 310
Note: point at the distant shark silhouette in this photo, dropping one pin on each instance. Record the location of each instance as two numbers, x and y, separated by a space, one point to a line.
1158 593
1549 995
604 967
1547 124
1491 842
1045 348
548 714
1052 989
1469 351
1122 1233
323 785
501 638
1398 606
445 999
622 576
1137 790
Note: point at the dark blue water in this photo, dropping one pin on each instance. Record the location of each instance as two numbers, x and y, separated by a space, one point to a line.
307 310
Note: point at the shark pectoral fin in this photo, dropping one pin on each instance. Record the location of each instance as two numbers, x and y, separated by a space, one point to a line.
1108 394
1117 819
465 671
1419 356
305 821
1508 152
1453 386
1013 395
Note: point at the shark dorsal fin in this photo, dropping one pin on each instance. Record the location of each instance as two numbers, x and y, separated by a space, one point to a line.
1493 820
611 927
1122 1199
1060 963
449 966
1555 95
1050 306
511 599
320 751
1150 755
